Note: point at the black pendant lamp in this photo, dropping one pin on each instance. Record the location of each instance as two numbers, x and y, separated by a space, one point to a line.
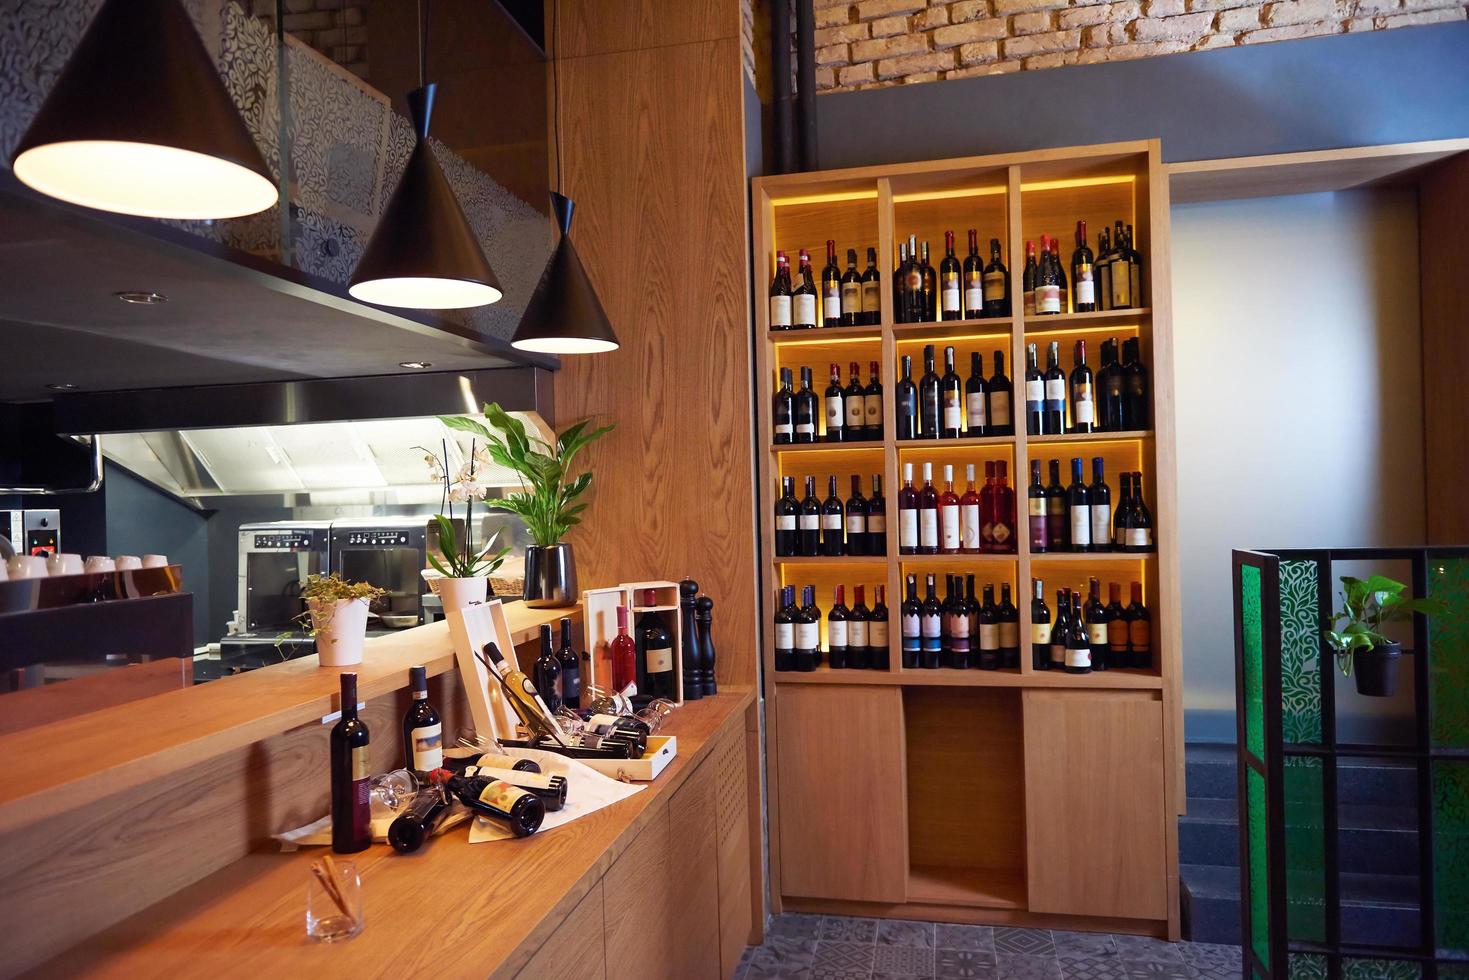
564 315
139 123
423 254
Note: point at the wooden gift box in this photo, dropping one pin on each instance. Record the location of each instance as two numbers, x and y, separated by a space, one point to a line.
599 619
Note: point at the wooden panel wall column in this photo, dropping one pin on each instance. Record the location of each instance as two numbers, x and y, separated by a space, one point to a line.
1443 209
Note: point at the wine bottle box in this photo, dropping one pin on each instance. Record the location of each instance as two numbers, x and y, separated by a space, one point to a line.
662 749
471 629
599 618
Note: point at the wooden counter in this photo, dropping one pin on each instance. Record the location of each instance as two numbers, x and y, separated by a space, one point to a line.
456 909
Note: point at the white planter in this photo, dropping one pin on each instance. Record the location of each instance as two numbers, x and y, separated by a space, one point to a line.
456 593
341 628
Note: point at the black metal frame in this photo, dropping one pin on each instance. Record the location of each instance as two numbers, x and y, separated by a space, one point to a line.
1423 753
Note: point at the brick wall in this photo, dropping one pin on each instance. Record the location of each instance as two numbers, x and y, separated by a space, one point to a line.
874 43
335 28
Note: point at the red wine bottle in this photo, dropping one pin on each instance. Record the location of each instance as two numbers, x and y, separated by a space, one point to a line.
911 619
851 288
1048 286
656 646
951 304
1053 420
1000 393
1096 624
1083 287
975 398
1035 394
1101 504
859 656
951 398
518 809
833 517
854 403
872 405
570 668
780 294
831 288
950 533
624 658
877 519
877 631
785 628
907 514
973 279
856 519
546 672
803 297
871 291
418 822
1078 507
930 287
1078 644
1040 628
1139 631
1058 527
1002 532
928 397
423 731
1083 392
1117 647
928 514
1027 279
1103 270
351 769
1035 507
783 409
996 284
906 405
836 629
1111 414
931 625
806 411
1009 618
987 509
787 513
836 407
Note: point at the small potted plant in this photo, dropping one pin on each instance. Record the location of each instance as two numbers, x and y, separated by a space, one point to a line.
1355 633
547 500
337 610
465 569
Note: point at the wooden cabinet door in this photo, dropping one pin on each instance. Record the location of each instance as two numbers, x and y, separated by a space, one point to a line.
693 911
842 779
732 839
635 894
575 950
1094 808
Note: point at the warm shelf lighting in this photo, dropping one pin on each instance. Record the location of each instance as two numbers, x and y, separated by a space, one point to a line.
949 195
828 198
1057 185
824 342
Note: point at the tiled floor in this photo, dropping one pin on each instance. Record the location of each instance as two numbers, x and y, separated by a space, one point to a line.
815 947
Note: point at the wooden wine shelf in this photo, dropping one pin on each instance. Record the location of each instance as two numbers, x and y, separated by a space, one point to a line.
824 335
1132 435
959 560
1071 322
1089 556
916 445
1097 680
910 333
832 560
828 447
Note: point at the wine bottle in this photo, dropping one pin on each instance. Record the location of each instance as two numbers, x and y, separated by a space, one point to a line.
1035 394
950 532
1002 526
877 523
900 285
350 770
831 288
854 400
913 296
519 810
549 788
1139 631
1096 624
547 671
780 294
783 408
808 631
911 616
1028 278
1135 385
624 658
1078 644
419 820
930 287
996 284
932 627
960 633
1083 287
836 407
1048 288
851 292
785 628
1122 513
1035 500
877 631
970 523
928 514
1140 520
1060 268
871 291
872 405
1103 270
694 652
1099 497
989 632
1053 421
999 393
1083 392
570 668
1009 618
856 518
973 279
907 514
906 405
1111 403
1078 506
803 296
1117 645
859 657
836 629
1040 627
807 410
987 509
656 647
1121 275
1058 526
423 731
1060 629
950 295
1134 270
946 608
975 391
928 397
787 511
833 516
951 396
809 522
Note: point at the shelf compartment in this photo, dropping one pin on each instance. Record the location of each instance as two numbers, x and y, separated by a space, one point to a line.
1090 556
823 335
958 560
825 675
1102 680
921 445
996 328
847 215
985 888
827 447
1080 322
1133 435
879 560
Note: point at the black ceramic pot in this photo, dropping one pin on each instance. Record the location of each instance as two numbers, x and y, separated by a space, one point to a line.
550 576
1377 670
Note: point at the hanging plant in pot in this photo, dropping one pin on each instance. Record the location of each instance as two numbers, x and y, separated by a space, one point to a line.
1355 633
547 500
337 613
464 569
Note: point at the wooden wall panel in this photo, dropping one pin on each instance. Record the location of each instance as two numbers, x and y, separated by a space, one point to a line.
653 156
590 27
576 950
1443 211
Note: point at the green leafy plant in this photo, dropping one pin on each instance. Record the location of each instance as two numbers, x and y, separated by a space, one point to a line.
1369 603
461 559
549 491
325 590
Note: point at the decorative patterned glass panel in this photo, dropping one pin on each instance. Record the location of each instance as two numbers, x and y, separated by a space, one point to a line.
1307 966
1300 652
1451 855
1371 969
1305 850
1448 645
1259 865
1253 642
1453 971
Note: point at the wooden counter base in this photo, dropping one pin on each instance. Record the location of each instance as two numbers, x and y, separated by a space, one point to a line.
656 885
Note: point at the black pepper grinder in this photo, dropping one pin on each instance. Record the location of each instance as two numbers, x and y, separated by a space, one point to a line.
693 658
703 625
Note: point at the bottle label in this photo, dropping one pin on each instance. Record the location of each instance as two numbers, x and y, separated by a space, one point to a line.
1048 298
856 524
908 528
1139 635
785 522
851 298
1029 302
1104 286
1000 532
808 636
910 625
833 304
1083 408
831 522
1055 390
1035 390
1121 285
1101 523
871 299
857 633
1038 537
951 527
1040 633
856 411
951 295
877 633
933 626
976 409
1081 525
994 286
929 536
361 766
877 524
969 521
810 522
1078 656
1036 506
1135 283
836 632
804 308
989 636
872 409
660 659
1139 537
806 428
783 428
1086 290
785 636
1058 650
1117 635
973 297
780 311
1096 634
953 411
835 413
1009 634
999 408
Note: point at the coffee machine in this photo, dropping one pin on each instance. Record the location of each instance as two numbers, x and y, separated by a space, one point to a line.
390 553
32 532
276 557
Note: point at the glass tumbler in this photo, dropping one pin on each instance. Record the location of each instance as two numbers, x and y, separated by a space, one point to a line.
334 914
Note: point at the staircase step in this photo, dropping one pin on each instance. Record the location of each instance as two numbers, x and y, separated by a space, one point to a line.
1373 839
1212 773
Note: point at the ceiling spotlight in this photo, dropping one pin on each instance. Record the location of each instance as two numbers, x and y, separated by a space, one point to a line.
63 386
142 297
415 365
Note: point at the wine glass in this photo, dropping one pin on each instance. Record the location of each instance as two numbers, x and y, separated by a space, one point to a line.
392 791
655 714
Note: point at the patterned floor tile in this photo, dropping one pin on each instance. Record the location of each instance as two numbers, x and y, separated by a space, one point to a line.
846 929
1083 965
1148 949
1213 961
976 963
795 925
1083 942
901 932
781 954
792 973
843 956
1143 970
1030 942
902 961
1020 966
822 973
947 936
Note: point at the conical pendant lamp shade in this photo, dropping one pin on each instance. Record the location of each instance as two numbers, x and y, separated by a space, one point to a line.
139 123
564 315
423 253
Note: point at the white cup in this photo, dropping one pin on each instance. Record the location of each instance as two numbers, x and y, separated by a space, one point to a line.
155 561
4 572
27 566
126 563
99 563
70 564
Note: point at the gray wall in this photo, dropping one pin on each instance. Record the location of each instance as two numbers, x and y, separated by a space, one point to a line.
1300 417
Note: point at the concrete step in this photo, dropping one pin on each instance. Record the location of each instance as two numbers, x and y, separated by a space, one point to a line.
1373 839
1211 773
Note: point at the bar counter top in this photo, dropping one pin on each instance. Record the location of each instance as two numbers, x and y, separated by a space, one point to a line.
453 909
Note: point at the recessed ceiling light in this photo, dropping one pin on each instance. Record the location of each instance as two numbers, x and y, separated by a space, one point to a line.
63 386
415 365
141 297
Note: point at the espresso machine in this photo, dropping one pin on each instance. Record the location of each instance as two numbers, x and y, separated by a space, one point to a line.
32 532
276 557
390 553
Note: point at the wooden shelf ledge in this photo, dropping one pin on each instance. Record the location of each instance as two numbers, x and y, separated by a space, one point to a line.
986 888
